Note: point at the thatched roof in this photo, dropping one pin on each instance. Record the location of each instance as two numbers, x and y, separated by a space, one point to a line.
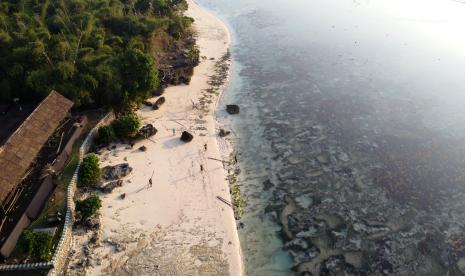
22 147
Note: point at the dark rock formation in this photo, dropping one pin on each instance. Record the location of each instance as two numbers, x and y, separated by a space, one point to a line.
232 109
122 196
186 136
158 103
267 184
147 131
116 172
158 92
224 132
110 186
143 148
336 265
92 222
147 103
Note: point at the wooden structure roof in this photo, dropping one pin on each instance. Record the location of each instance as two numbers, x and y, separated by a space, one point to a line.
21 148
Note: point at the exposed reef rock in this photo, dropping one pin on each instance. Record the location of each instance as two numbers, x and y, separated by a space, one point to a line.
110 186
116 172
232 109
147 131
223 132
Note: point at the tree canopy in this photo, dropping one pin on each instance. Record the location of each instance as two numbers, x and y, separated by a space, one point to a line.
95 52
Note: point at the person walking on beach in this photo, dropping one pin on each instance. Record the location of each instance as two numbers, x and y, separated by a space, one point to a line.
201 168
150 180
174 131
205 146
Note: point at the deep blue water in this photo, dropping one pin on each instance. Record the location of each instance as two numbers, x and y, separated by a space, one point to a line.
351 134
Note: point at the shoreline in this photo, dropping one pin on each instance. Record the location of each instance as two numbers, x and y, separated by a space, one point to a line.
178 226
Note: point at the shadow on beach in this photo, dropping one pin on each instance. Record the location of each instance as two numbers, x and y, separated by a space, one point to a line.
172 143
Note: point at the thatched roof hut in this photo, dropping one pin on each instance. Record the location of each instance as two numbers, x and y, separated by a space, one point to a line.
19 151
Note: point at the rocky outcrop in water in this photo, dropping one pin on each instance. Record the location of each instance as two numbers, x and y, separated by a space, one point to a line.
224 133
232 109
336 204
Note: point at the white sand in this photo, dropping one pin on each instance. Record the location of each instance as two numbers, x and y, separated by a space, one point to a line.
176 224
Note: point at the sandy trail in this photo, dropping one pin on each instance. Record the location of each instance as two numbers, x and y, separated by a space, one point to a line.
177 226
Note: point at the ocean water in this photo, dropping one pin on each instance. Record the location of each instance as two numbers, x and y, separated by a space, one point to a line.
351 136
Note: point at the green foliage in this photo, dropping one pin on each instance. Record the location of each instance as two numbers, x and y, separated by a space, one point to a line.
39 244
193 54
127 126
178 25
88 206
239 203
89 172
141 77
92 51
106 135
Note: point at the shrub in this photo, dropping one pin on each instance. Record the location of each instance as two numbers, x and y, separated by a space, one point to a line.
127 126
88 206
89 172
106 135
193 55
38 244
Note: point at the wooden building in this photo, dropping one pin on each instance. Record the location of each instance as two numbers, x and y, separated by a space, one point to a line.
18 155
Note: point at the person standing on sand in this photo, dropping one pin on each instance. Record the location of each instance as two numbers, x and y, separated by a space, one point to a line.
205 146
201 168
174 131
150 180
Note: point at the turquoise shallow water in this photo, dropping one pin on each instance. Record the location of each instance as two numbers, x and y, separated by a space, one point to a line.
351 135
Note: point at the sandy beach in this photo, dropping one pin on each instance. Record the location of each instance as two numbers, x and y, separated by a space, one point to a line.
177 226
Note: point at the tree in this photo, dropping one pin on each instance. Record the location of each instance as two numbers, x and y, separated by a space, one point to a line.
88 206
139 75
95 52
38 244
106 135
127 126
89 172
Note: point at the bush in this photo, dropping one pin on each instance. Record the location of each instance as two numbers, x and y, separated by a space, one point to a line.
106 135
193 55
89 172
38 244
88 206
127 126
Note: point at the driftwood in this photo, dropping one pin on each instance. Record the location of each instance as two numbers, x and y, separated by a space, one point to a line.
61 141
178 123
219 160
224 201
